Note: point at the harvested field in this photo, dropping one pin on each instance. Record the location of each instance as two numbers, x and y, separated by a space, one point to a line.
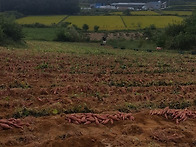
79 94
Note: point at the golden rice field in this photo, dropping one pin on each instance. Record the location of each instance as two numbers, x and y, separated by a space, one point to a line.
47 20
104 22
137 13
137 22
116 23
181 13
144 13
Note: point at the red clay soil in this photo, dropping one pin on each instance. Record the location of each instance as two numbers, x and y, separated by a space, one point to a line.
146 130
42 88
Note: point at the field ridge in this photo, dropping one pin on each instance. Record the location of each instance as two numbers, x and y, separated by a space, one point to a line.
123 21
63 20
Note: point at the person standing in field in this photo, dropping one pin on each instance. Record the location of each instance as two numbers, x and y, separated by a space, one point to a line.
104 40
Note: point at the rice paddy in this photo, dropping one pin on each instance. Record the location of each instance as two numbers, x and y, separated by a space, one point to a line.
106 22
47 20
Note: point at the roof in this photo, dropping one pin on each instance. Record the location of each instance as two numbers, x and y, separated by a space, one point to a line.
131 4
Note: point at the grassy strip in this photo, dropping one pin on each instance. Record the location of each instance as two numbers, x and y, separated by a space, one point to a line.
45 34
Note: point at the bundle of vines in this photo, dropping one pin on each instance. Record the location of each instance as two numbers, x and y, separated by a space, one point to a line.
88 118
176 114
12 123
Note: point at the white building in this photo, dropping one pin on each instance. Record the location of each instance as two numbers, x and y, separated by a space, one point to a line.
137 6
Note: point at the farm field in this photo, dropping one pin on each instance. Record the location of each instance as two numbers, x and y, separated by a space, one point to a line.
180 13
104 22
115 22
136 22
47 20
137 13
44 84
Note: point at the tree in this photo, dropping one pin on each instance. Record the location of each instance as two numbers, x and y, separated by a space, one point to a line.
85 27
96 28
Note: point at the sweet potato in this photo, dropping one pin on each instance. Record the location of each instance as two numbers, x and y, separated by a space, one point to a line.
113 117
89 114
83 119
6 122
87 123
96 121
5 126
101 117
91 119
73 118
111 120
76 122
105 121
17 126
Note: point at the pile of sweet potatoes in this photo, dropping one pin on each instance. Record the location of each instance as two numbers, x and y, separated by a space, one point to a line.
177 114
88 118
12 123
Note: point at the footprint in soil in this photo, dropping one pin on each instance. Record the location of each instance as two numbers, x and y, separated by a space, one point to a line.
132 130
172 134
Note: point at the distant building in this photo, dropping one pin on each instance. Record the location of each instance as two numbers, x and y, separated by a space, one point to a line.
107 7
132 6
97 5
153 5
164 5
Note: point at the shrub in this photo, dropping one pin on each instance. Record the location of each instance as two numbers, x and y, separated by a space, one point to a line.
12 31
85 27
150 31
174 29
9 31
70 34
161 40
64 24
36 25
96 28
183 41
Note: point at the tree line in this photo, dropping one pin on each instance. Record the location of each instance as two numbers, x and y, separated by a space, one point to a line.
40 7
